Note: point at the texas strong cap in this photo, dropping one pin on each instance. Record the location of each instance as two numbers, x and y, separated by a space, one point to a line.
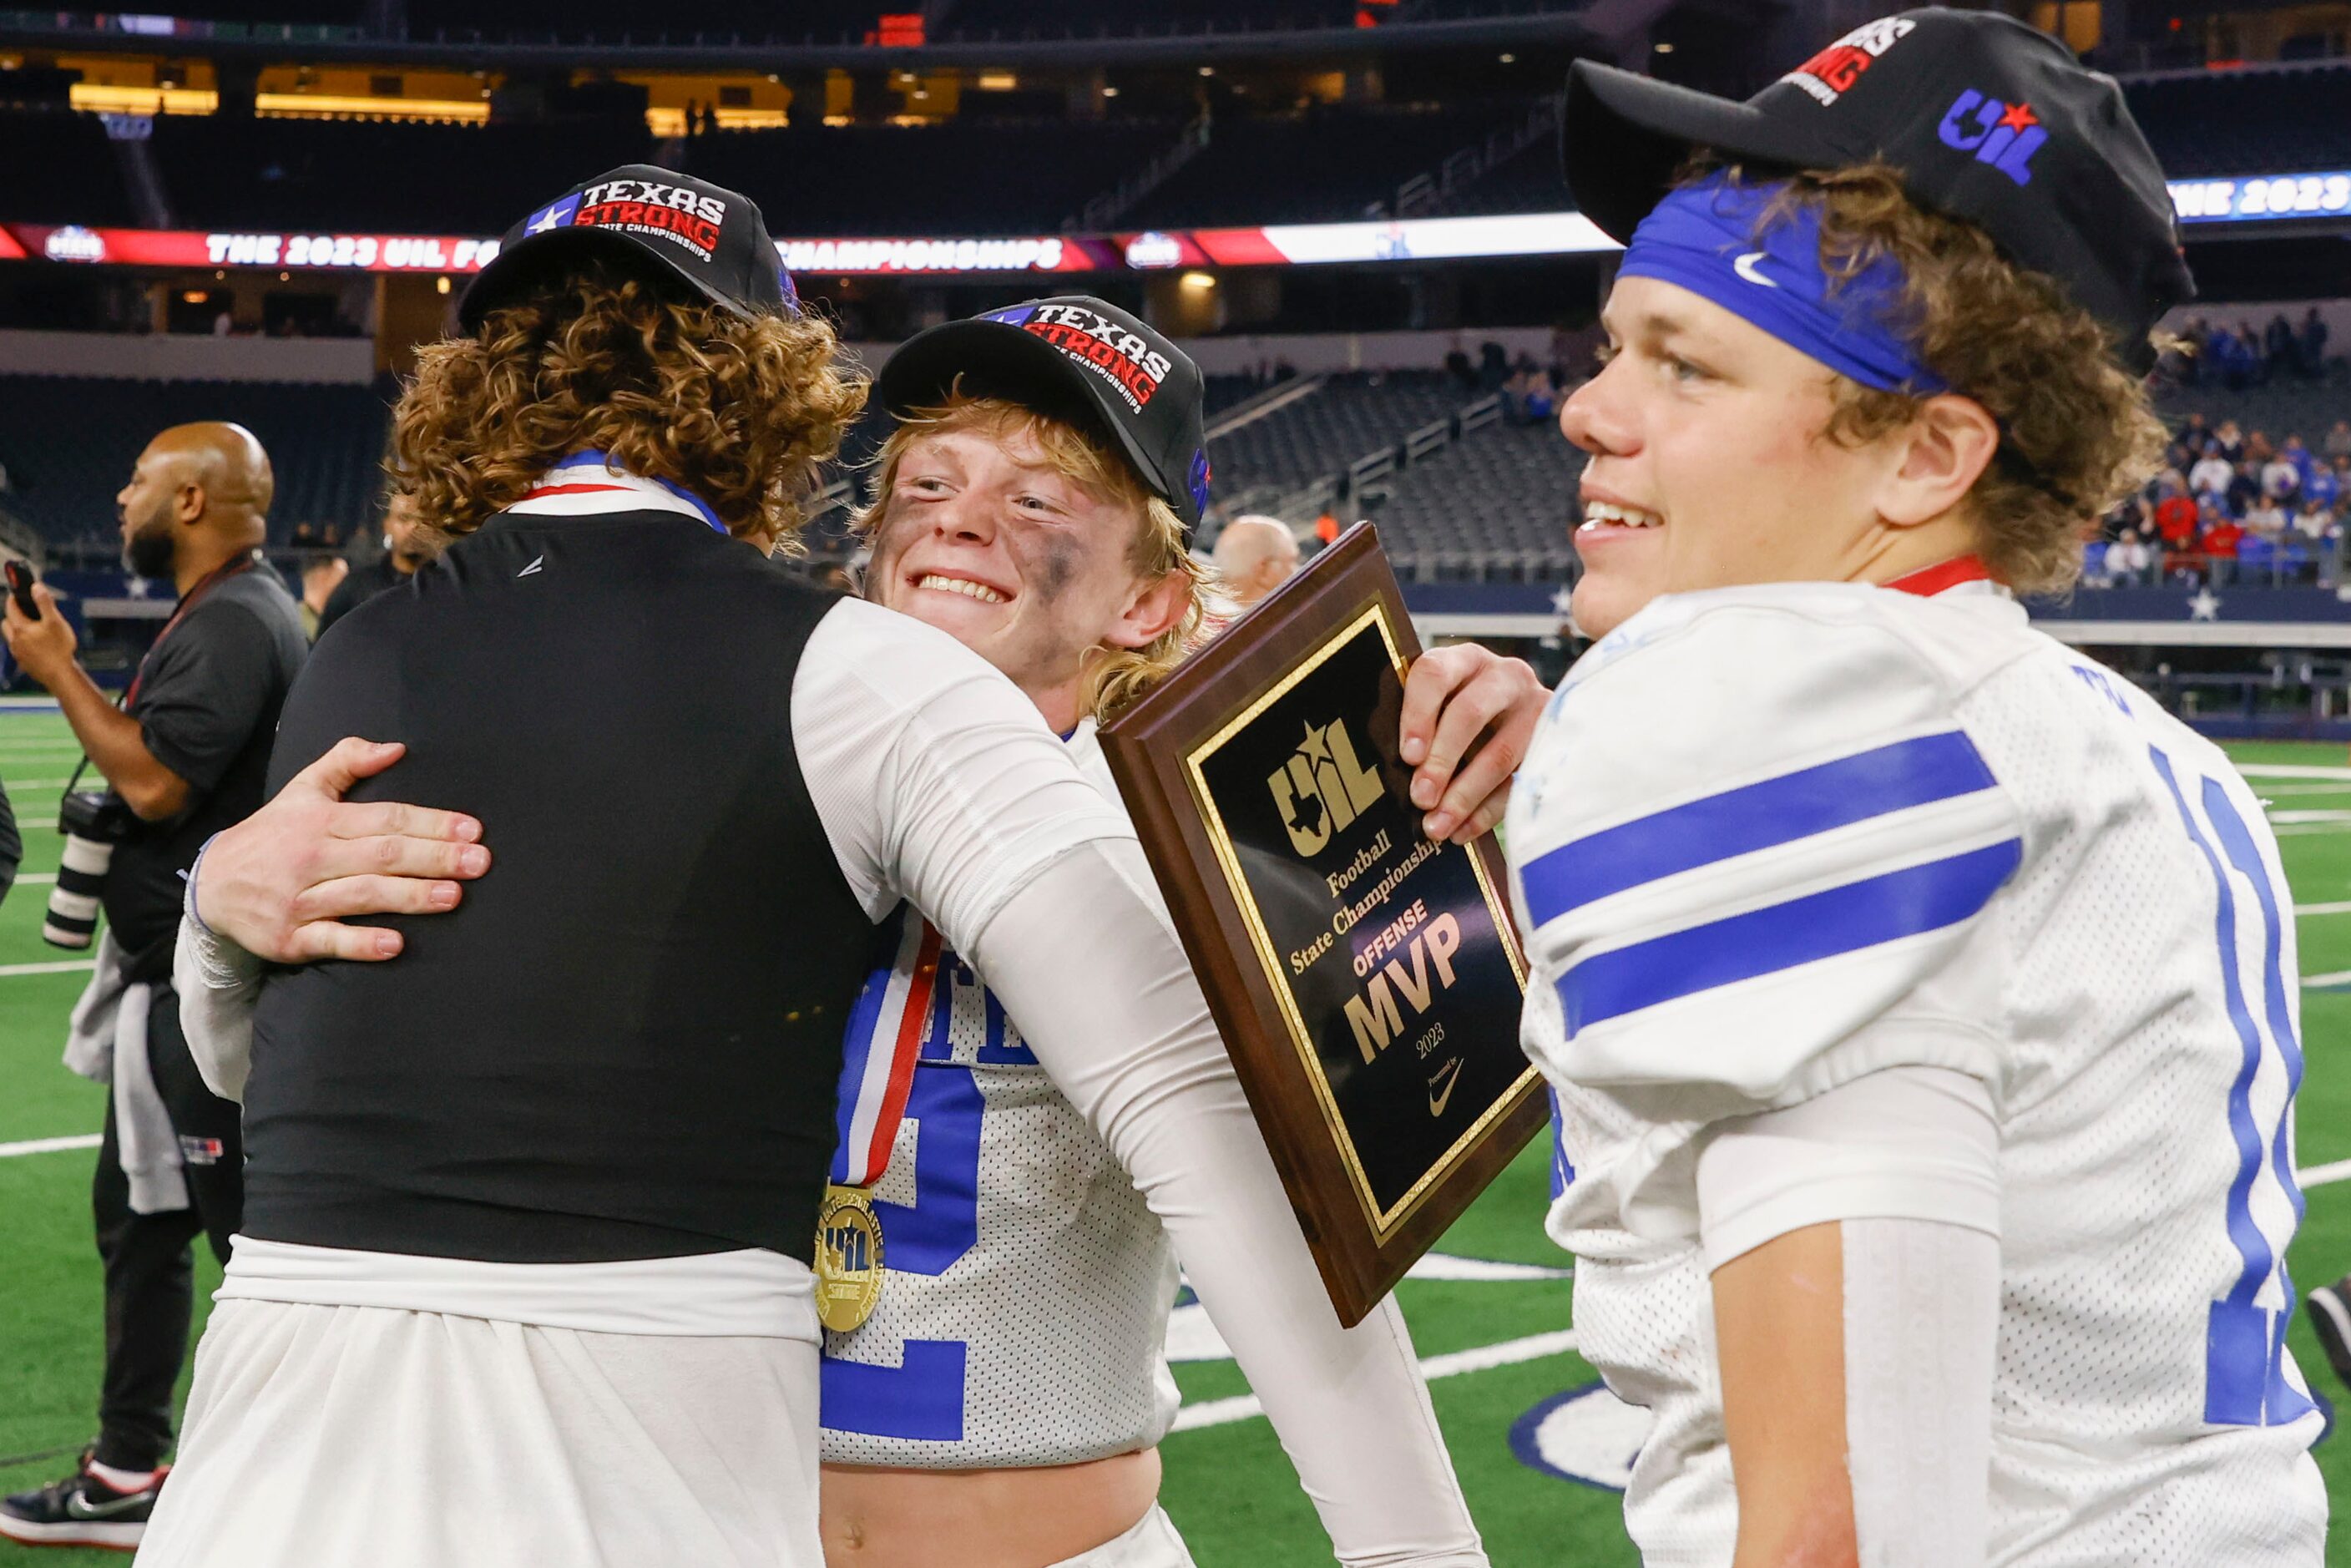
1081 360
1985 118
671 229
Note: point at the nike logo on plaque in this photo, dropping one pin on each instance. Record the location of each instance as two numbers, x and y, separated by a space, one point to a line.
1437 1100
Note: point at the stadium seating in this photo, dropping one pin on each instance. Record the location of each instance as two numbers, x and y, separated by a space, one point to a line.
974 19
976 177
60 170
1497 502
2284 404
68 444
1333 164
2251 122
222 172
1323 433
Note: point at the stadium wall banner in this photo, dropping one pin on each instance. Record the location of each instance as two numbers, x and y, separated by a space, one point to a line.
2263 198
2241 199
1294 245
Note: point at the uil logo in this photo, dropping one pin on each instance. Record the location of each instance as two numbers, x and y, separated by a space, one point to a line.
1322 787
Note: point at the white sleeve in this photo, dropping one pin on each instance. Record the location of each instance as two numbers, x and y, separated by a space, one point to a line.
1752 850
1921 1332
1108 1002
218 984
1909 1143
936 781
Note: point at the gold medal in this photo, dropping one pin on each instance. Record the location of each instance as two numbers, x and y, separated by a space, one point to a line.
848 1258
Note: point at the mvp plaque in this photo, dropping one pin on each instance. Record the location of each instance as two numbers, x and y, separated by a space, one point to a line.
1367 980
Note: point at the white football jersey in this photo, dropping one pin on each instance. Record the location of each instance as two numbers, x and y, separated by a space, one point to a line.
1027 1285
1771 838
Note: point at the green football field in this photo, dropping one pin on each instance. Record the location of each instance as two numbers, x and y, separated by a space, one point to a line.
1491 1320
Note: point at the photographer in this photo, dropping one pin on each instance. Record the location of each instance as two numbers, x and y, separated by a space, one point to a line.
182 758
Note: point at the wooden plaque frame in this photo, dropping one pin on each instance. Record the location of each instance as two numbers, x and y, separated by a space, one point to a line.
1189 758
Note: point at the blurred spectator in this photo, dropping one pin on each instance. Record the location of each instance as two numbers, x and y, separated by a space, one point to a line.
2212 472
2129 561
405 547
1254 555
2175 520
2338 439
2325 486
322 572
2221 539
1326 526
2258 449
2230 440
2280 479
2278 344
2265 517
2244 488
2311 345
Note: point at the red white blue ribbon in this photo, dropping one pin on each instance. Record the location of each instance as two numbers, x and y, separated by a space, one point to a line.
884 1038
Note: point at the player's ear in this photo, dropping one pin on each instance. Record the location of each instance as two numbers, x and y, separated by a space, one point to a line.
1152 610
1944 450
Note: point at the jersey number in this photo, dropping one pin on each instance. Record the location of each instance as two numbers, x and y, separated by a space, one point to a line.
922 1398
2244 1372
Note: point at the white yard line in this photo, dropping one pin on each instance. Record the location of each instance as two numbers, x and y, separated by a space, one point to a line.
63 967
2340 906
2320 1176
2290 770
48 1146
1534 1347
2332 978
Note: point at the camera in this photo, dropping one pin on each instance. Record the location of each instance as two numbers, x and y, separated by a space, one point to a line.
93 821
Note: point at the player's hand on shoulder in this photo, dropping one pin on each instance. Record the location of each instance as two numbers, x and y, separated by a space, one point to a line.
1469 714
281 882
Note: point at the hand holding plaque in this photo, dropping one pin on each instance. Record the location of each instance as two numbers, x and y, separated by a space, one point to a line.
1367 979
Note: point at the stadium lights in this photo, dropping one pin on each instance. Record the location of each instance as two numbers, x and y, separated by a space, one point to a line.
1109 92
1665 48
440 285
1207 70
193 297
1509 60
1199 282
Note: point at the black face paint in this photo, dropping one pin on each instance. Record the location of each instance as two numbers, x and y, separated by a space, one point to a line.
1056 566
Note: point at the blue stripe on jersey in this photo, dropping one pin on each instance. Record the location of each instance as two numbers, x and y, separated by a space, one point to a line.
1739 821
2251 1245
2281 1400
1782 935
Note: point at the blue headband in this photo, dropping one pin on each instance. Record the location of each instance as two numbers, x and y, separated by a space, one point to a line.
1703 238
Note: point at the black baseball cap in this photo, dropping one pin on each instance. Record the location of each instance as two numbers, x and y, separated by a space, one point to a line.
1987 119
669 227
1079 360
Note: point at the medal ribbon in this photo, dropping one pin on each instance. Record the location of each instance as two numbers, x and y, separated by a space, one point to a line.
877 1067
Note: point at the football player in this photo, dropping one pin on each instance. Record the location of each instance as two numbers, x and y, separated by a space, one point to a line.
1011 1377
1009 1390
1919 997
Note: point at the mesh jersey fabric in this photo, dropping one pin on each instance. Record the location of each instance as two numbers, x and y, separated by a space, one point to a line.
2125 989
1023 1315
